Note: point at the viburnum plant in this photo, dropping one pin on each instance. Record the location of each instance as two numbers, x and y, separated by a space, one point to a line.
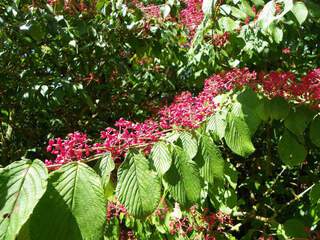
239 160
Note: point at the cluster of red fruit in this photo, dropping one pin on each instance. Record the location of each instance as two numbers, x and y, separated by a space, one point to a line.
186 111
207 223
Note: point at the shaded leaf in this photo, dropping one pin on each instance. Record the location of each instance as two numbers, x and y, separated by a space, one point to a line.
22 184
315 131
298 119
74 198
291 152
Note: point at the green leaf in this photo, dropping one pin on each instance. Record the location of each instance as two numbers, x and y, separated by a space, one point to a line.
247 108
249 98
237 135
183 178
209 160
245 7
104 167
228 24
279 108
207 6
277 34
258 2
217 125
315 131
161 157
22 184
237 13
74 199
221 197
295 227
138 185
33 29
314 194
248 114
165 11
300 11
231 174
188 143
266 16
298 119
291 152
264 109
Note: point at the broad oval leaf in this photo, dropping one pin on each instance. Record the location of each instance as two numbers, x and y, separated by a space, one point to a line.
22 184
161 157
314 194
279 108
183 178
248 114
209 160
264 109
73 202
138 187
298 119
277 34
217 125
104 167
237 135
300 11
315 131
189 144
295 228
291 152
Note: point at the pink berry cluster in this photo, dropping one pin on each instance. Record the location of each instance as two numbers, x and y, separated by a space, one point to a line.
151 11
207 223
192 15
127 134
220 40
217 220
126 234
70 6
161 212
226 81
180 226
75 146
285 84
114 209
186 111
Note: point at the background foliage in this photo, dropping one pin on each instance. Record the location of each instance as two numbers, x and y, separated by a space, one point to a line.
249 169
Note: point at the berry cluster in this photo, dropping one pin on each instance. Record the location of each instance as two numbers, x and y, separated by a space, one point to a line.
192 15
207 223
186 111
127 134
114 209
220 40
74 147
